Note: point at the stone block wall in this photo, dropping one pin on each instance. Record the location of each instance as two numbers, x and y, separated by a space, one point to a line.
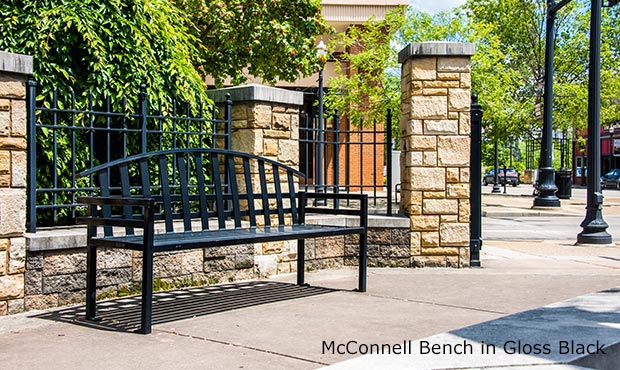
14 70
435 151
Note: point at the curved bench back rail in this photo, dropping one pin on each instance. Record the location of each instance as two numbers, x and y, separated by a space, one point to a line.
209 185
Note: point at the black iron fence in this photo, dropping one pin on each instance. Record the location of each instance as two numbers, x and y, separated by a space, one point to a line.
355 158
67 135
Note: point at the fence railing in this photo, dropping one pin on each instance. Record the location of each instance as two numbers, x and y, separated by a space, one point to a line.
66 136
357 158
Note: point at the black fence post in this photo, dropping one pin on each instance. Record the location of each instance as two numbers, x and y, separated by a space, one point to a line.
142 107
228 118
505 178
388 147
336 157
475 240
31 97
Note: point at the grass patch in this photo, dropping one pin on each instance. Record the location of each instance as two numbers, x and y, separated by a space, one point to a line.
158 285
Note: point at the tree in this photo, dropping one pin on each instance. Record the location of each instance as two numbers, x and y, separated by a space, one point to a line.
368 81
107 48
270 39
444 26
114 45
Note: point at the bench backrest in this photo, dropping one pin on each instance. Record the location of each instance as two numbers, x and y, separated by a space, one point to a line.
202 184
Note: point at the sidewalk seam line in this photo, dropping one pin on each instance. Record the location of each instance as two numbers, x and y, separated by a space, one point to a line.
438 304
554 258
242 346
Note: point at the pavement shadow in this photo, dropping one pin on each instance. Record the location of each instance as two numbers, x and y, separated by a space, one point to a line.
564 328
123 314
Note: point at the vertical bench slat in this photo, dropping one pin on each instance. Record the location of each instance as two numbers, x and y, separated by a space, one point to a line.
104 182
234 190
249 190
291 195
202 191
276 183
144 177
187 222
264 194
219 199
125 189
165 190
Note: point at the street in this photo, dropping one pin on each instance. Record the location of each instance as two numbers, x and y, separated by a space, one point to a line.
510 217
541 228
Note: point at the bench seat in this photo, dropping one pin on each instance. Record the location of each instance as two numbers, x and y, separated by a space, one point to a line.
214 238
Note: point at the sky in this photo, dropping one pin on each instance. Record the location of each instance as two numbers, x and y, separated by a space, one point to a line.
435 6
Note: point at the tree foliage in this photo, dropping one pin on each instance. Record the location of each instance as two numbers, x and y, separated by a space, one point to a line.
368 80
108 47
271 39
508 66
444 26
171 46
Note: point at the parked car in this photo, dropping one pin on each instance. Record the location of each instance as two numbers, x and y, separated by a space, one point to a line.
512 177
611 180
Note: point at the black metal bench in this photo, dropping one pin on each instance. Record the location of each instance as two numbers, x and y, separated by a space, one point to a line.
202 198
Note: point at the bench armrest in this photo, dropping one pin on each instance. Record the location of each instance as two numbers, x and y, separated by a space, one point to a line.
107 220
362 211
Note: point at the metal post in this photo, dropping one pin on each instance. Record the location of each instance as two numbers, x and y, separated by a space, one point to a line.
336 157
388 128
562 149
546 188
505 177
228 118
611 148
319 144
32 155
475 240
496 188
142 102
594 227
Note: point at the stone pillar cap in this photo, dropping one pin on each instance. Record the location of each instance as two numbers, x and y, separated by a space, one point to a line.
15 63
436 48
257 92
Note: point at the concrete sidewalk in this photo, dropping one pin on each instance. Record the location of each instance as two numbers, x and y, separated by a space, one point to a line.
274 324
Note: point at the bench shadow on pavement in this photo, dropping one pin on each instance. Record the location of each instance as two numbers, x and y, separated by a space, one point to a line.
123 314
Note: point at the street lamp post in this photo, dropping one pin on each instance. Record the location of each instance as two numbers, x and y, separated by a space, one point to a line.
547 188
321 52
594 227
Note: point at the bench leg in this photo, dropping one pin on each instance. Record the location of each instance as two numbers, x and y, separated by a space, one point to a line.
91 282
147 292
362 272
301 256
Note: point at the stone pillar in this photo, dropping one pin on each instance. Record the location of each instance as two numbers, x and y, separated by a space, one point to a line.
265 122
14 70
435 145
